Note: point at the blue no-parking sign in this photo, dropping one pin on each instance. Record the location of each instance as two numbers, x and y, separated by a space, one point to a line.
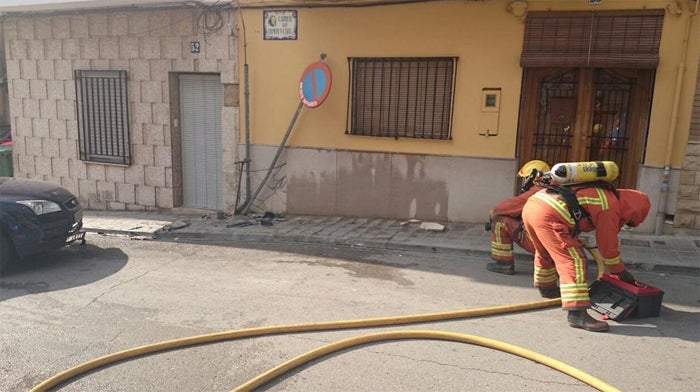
315 84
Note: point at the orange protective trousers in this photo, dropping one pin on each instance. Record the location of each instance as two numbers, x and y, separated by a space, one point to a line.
558 255
506 230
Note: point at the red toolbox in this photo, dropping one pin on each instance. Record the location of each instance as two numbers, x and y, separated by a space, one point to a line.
619 300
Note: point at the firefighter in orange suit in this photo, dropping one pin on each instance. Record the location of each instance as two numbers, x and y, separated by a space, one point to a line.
506 224
558 253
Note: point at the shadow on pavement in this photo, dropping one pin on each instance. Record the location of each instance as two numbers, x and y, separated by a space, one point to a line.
682 324
72 266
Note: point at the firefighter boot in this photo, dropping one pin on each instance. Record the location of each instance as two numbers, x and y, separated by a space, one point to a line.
501 267
549 291
581 319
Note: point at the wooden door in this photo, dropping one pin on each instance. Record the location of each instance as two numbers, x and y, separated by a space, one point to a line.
585 114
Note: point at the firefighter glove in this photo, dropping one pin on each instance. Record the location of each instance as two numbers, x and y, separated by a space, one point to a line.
625 276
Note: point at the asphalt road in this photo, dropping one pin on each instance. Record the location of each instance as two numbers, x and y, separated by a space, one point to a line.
114 294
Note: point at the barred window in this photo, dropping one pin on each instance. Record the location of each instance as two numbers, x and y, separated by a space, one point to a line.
103 116
401 96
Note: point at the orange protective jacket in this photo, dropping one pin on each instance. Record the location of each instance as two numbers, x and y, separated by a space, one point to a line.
608 215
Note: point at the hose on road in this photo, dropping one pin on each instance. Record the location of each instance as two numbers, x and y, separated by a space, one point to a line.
339 325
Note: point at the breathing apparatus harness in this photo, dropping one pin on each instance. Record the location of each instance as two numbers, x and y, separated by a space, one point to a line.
565 179
567 192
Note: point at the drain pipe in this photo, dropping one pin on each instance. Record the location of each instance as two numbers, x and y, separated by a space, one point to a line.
663 196
246 99
246 109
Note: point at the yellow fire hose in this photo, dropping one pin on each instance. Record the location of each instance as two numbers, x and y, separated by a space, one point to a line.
337 325
281 369
348 324
593 250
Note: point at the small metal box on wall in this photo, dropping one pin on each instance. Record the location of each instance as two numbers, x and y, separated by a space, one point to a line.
490 111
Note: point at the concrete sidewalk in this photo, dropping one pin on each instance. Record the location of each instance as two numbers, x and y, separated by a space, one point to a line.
665 253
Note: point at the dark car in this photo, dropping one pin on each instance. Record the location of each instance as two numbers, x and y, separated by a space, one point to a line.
36 216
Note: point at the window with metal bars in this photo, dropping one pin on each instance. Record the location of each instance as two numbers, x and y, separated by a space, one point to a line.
409 97
103 116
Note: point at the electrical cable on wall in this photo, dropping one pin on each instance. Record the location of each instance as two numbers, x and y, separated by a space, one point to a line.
337 3
209 20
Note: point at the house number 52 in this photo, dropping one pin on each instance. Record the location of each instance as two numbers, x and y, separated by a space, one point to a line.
194 47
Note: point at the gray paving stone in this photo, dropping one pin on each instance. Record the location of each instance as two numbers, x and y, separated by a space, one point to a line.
673 253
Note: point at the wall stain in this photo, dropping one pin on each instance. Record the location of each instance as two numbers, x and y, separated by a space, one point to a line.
418 194
372 185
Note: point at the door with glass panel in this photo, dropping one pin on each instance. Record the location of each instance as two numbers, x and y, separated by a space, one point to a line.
585 114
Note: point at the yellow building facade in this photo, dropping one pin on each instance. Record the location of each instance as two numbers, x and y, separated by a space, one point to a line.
331 171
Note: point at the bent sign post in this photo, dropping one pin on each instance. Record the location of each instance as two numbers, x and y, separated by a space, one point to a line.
314 86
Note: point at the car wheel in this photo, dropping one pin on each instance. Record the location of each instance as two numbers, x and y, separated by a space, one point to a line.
7 252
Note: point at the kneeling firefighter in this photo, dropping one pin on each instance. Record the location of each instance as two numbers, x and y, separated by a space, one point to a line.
506 225
553 218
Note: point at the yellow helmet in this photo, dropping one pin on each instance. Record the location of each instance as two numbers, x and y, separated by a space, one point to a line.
534 164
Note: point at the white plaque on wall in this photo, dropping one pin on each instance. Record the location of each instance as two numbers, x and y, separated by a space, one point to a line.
280 25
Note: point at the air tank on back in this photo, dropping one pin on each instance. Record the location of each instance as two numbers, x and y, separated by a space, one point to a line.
576 172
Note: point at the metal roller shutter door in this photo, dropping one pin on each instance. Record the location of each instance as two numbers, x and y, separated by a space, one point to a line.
200 108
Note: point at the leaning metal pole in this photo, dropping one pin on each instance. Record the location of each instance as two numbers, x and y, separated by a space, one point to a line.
246 208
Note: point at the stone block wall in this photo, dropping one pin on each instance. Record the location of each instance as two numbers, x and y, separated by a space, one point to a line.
42 51
688 205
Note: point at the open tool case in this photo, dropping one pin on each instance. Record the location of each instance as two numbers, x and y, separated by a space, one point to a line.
619 300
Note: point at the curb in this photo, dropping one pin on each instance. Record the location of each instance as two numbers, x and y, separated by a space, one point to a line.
313 239
121 232
664 269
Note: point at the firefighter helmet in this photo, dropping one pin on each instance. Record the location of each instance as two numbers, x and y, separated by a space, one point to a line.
536 164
